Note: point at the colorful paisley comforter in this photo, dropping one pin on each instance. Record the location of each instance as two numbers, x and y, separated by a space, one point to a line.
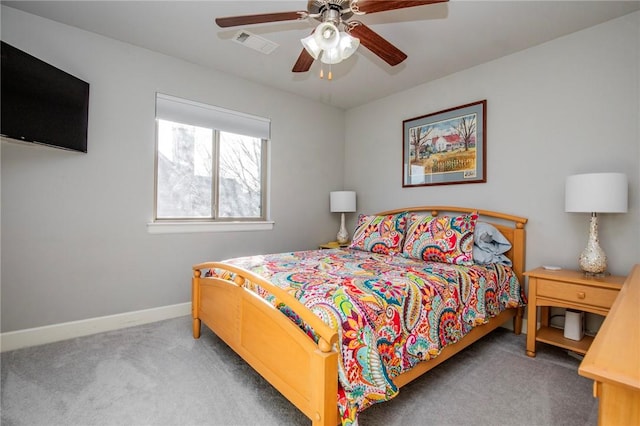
391 312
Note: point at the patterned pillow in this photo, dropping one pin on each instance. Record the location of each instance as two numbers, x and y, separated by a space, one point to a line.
441 239
379 234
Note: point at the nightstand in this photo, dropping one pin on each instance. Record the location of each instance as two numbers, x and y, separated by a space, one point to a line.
566 289
333 245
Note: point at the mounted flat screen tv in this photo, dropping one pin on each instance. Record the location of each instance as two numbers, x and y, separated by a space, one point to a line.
41 103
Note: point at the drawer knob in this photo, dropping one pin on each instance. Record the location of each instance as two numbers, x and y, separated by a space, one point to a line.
581 295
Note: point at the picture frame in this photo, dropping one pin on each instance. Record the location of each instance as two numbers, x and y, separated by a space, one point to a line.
446 147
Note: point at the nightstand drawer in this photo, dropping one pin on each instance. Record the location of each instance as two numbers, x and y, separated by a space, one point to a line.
575 293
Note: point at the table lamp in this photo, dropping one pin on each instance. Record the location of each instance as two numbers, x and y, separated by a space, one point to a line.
595 193
342 202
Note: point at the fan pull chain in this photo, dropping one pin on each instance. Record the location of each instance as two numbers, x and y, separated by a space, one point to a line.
329 74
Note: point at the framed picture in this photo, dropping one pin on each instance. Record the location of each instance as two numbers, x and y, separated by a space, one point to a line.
445 147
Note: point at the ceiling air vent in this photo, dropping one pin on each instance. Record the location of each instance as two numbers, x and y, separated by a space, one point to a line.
255 42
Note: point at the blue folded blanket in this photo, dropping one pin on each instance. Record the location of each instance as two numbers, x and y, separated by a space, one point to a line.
489 245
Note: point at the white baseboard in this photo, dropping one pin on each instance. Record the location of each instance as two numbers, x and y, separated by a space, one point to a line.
69 330
509 325
54 333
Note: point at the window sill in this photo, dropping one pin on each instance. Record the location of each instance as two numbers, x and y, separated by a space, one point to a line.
191 227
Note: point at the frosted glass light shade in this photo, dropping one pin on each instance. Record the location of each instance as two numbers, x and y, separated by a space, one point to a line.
331 56
345 48
329 45
311 46
327 35
342 201
596 193
348 45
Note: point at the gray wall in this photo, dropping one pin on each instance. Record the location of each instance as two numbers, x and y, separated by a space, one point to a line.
74 238
568 106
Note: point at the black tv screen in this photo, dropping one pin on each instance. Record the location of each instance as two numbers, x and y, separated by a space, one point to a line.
41 103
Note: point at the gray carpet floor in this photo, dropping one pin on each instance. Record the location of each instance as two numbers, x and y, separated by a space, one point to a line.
157 374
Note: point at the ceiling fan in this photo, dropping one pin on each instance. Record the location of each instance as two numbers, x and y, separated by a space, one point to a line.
326 41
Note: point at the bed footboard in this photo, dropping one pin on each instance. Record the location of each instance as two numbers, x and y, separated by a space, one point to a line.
306 373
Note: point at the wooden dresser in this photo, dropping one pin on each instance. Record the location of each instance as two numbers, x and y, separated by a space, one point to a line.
613 360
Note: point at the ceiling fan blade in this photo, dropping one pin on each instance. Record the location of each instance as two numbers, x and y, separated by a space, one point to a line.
304 62
373 6
262 18
376 43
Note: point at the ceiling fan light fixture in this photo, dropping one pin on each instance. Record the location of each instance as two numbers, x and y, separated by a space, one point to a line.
332 15
311 46
327 35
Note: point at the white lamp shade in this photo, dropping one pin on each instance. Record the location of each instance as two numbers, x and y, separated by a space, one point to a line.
343 201
327 35
596 193
311 46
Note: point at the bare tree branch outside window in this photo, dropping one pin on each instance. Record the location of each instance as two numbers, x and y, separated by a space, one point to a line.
240 175
186 167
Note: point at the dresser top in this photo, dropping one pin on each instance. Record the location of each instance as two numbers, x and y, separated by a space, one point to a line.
614 355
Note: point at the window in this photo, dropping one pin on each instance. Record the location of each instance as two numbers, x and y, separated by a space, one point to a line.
210 163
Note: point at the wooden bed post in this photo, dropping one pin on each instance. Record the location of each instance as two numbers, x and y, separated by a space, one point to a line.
324 376
195 303
519 250
517 321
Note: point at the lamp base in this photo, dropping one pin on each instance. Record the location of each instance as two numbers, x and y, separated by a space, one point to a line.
343 235
596 274
593 260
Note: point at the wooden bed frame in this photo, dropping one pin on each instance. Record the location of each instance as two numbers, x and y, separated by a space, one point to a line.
304 372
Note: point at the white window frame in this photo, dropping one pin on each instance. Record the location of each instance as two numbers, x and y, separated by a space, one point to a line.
198 114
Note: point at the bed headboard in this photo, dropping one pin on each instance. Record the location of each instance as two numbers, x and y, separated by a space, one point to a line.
512 227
